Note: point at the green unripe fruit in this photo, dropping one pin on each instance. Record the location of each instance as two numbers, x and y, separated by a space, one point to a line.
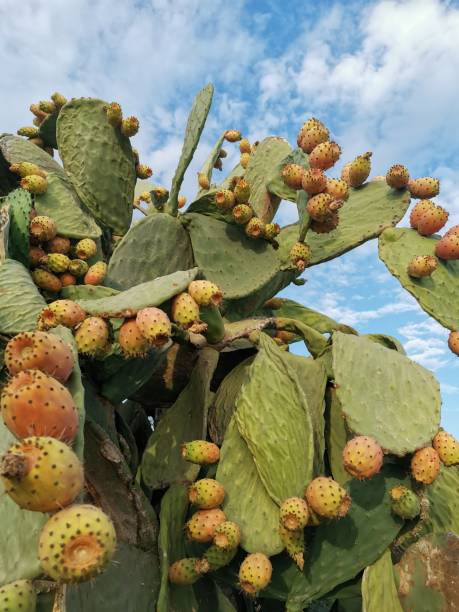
78 267
242 213
227 536
57 262
187 571
405 503
293 540
201 452
18 596
217 557
28 132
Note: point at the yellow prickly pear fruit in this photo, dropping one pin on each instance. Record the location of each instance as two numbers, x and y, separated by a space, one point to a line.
37 121
422 265
143 171
314 181
245 146
359 169
242 191
271 230
34 183
300 254
46 280
233 135
225 199
337 188
26 169
19 595
397 176
78 267
294 544
58 99
292 175
96 274
205 292
184 310
185 572
47 106
206 493
28 132
114 114
327 498
57 263
203 180
294 513
244 160
201 526
92 336
200 452
255 228
130 126
425 465
242 213
447 448
85 249
181 201
67 279
318 206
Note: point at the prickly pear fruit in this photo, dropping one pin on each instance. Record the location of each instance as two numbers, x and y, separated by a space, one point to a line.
47 106
28 132
184 310
314 181
338 189
203 180
425 465
92 336
405 503
19 596
46 280
187 571
42 228
96 274
245 159
318 206
26 169
448 246
39 351
255 228
130 126
57 262
181 201
201 452
359 169
34 183
205 293
245 146
222 154
85 249
35 404
292 175
242 191
294 513
424 188
217 557
224 199
61 312
218 165
312 133
447 448
67 279
131 341
227 536
428 218
41 474
78 267
242 213
233 135
300 255
255 573
362 457
271 230
293 540
206 493
58 99
76 543
324 155
59 244
114 114
35 254
422 265
397 176
143 171
154 325
201 526
327 498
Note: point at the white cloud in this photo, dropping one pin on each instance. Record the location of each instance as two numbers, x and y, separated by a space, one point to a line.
426 342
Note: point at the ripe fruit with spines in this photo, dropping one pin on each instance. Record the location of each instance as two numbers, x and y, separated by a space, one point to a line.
131 341
205 292
422 265
397 176
300 255
428 218
35 404
76 543
294 513
327 498
67 279
255 573
184 310
326 226
293 540
425 465
42 228
24 169
245 146
255 228
424 188
200 452
345 172
36 110
154 325
46 280
57 262
59 244
242 191
201 526
18 596
206 493
227 536
35 184
292 175
28 132
41 474
114 114
181 201
447 448
311 134
78 267
233 135
96 273
47 106
359 169
92 337
35 254
224 199
39 351
245 159
338 189
61 312
271 230
130 126
324 155
362 457
404 502
203 180
143 171
85 249
187 571
448 246
58 99
242 213
318 206
314 181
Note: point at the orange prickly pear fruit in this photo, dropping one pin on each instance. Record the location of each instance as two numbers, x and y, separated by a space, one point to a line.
131 341
255 573
114 114
424 188
397 176
255 228
292 175
453 342
314 181
200 452
242 213
425 465
448 246
312 133
203 180
245 146
338 189
143 171
61 312
362 457
130 126
233 135
225 199
187 571
324 155
181 201
67 279
206 493
96 274
42 228
327 498
154 325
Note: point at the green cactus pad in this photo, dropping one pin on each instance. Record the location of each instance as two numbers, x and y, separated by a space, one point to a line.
20 300
195 125
61 203
186 420
280 441
336 436
19 202
79 293
267 156
99 161
47 130
387 341
368 211
211 316
427 574
443 496
16 150
304 220
276 184
436 294
208 166
4 232
205 205
259 522
387 388
379 591
156 246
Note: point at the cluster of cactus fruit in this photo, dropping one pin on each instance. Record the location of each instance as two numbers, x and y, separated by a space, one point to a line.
161 445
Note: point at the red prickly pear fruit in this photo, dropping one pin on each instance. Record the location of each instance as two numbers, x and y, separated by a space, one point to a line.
28 132
39 351
203 180
181 201
293 540
292 175
35 404
271 230
422 265
233 135
362 457
225 199
312 133
338 189
205 293
59 244
154 325
242 191
404 502
294 513
187 571
245 146
42 228
96 274
201 526
184 310
318 206
85 249
359 169
67 279
448 246
424 188
26 169
41 474
397 176
57 263
453 342
143 171
201 452
428 218
314 181
61 312
245 159
18 596
76 543
35 254
130 126
447 448
242 213
78 267
59 100
255 573
425 465
325 155
206 493
227 536
34 184
92 336
327 498
255 228
300 255
114 114
131 341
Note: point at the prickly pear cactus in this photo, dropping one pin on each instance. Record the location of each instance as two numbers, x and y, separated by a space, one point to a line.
166 336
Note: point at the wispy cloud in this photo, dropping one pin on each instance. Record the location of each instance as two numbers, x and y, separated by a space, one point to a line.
426 342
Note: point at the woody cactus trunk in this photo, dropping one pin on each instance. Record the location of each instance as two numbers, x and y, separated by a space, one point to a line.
162 448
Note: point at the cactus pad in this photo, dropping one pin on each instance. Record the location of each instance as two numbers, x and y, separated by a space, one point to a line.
47 130
379 591
16 150
20 205
20 300
443 495
276 184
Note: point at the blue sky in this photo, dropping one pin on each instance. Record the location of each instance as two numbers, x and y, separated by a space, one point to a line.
382 75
